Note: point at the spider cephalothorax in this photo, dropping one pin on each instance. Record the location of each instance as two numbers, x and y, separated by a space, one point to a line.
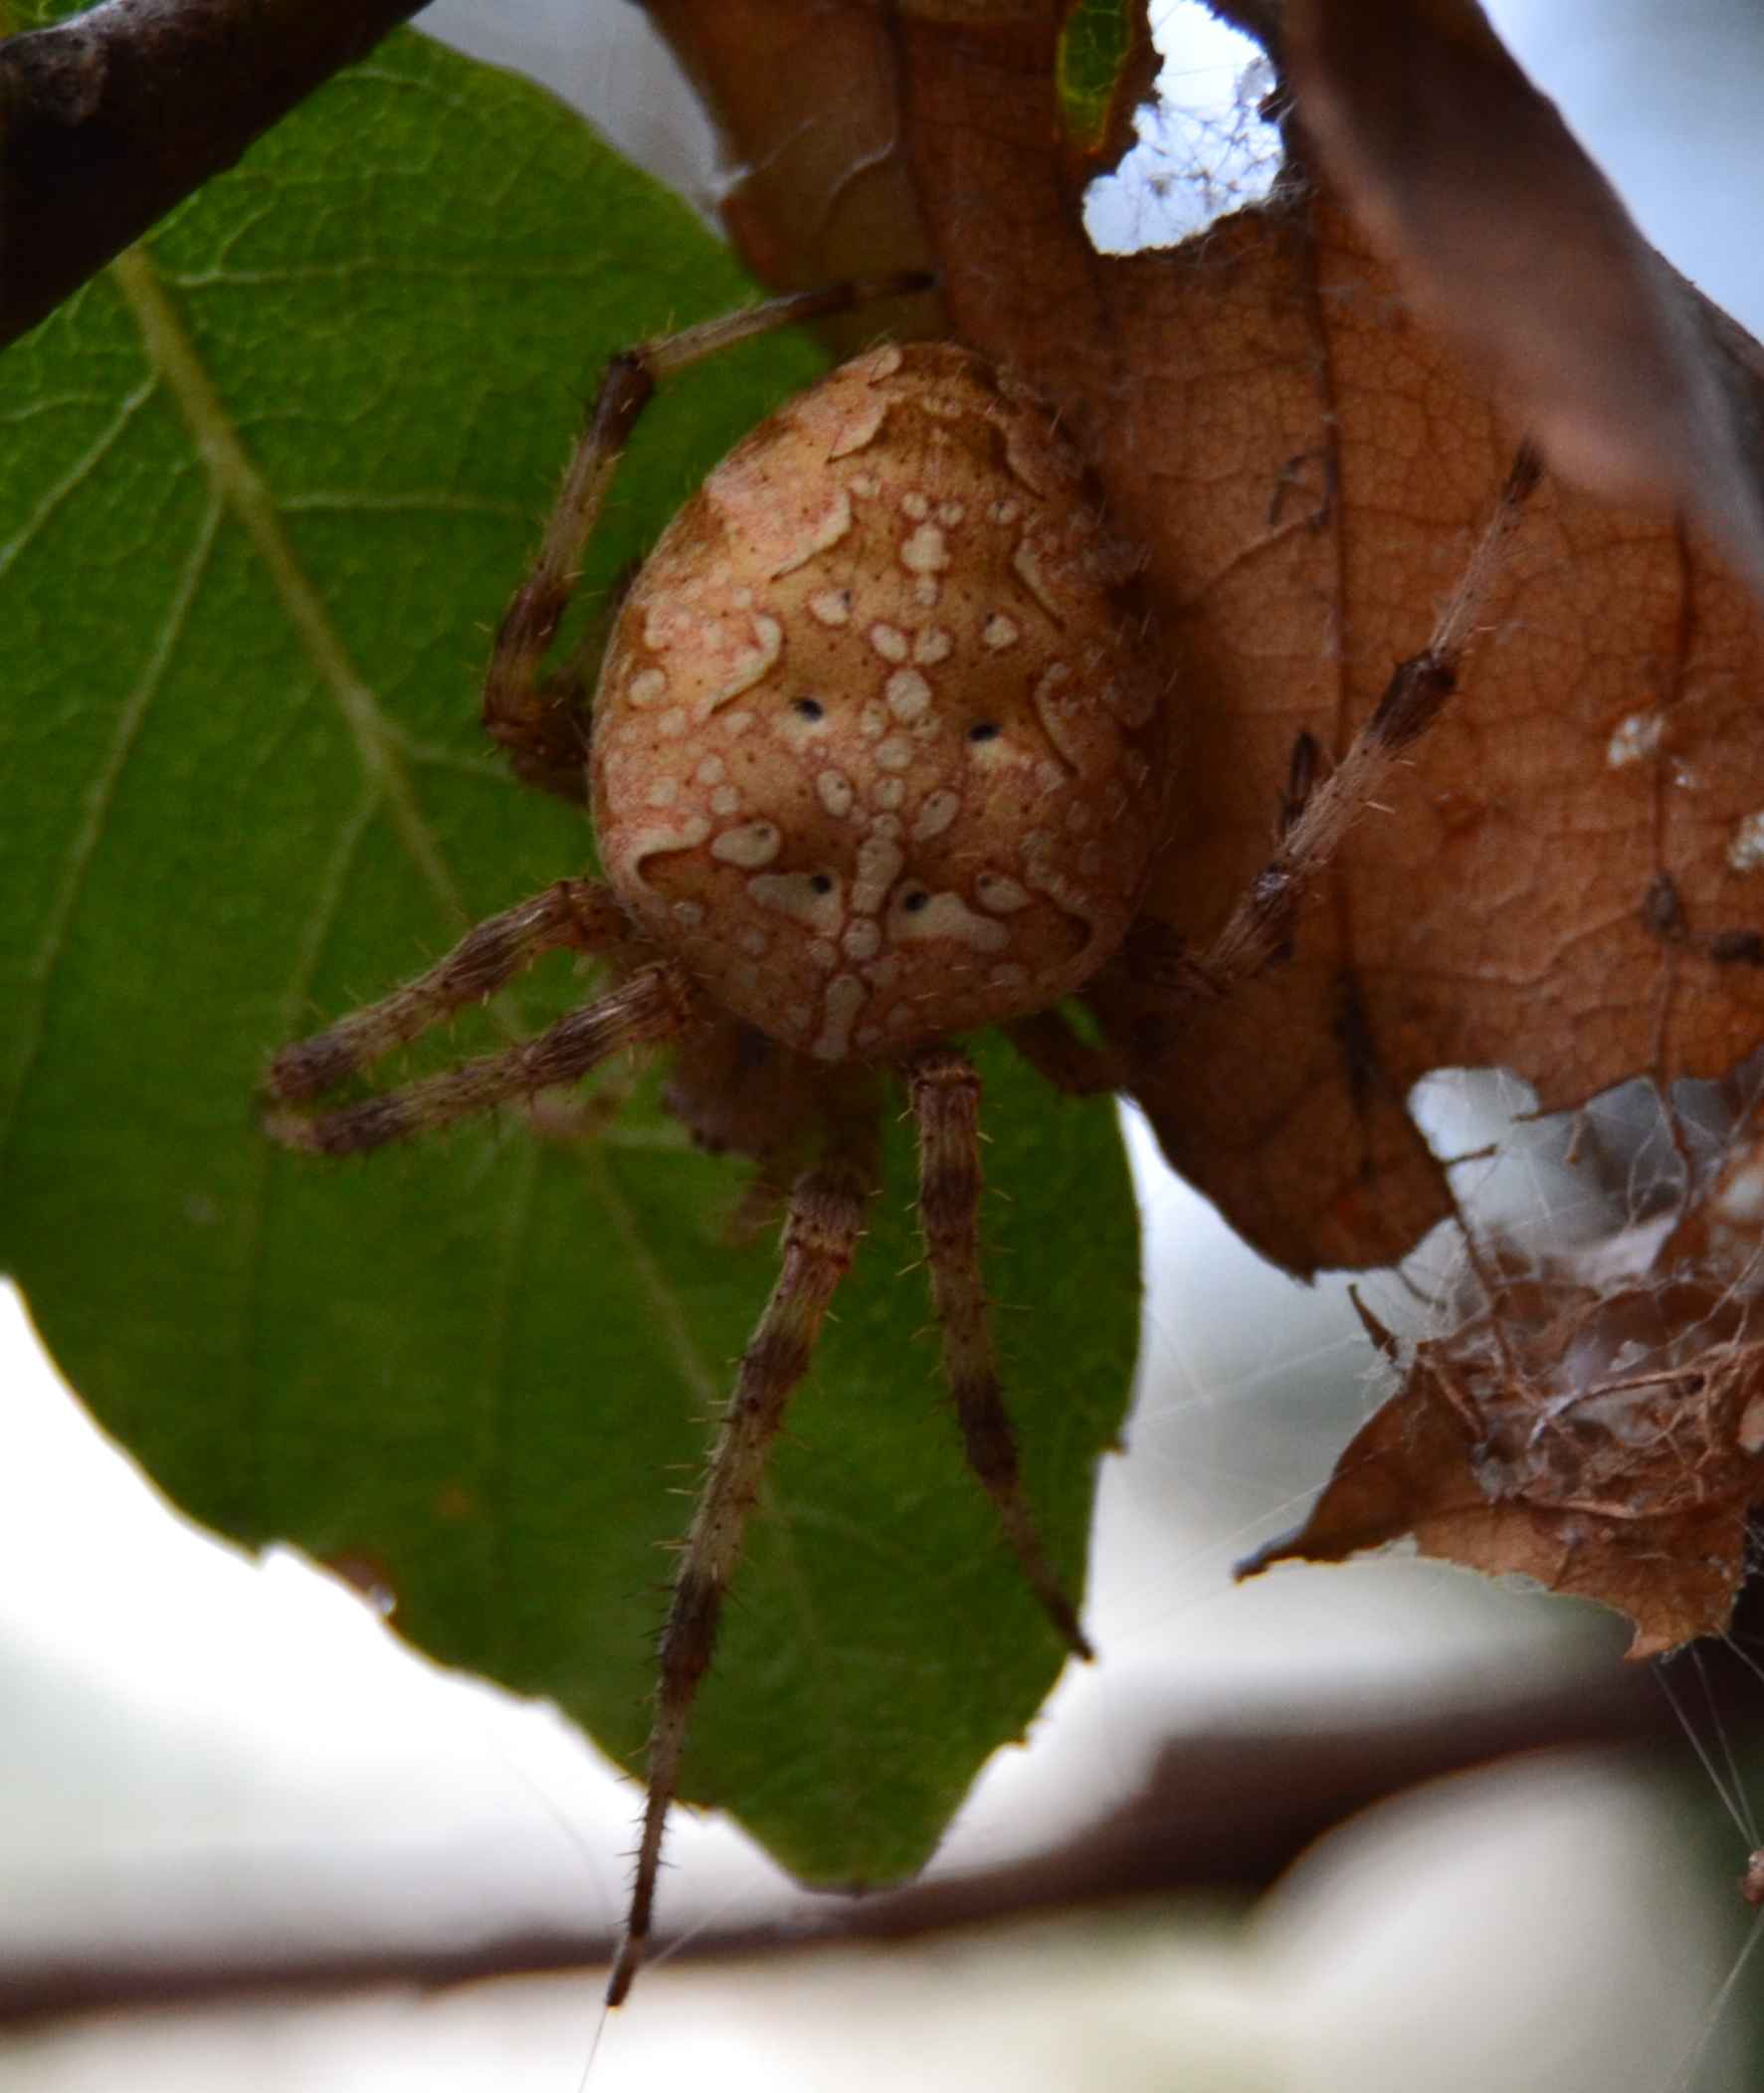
877 759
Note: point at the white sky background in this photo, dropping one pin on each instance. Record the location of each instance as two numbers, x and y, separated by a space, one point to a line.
191 1738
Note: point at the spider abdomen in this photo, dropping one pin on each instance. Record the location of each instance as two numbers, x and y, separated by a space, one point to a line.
874 752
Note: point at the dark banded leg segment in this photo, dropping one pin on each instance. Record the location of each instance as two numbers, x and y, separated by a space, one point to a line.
945 1094
1316 813
823 1223
580 915
649 1008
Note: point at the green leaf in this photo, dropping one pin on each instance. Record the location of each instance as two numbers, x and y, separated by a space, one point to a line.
263 491
1096 43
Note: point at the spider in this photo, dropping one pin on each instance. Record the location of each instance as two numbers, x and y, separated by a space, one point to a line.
877 757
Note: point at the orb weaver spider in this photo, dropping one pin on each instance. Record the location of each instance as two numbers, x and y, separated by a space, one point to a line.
877 757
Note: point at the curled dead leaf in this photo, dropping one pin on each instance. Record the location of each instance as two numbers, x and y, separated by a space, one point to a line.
807 100
1593 1420
1504 233
1308 469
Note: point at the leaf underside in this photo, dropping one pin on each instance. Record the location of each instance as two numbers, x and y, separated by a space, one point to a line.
263 491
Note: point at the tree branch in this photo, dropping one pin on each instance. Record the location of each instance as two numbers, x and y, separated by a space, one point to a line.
108 120
1221 1808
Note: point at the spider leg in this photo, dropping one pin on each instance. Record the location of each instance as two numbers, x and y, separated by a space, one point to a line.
946 1093
821 1234
538 718
1259 928
652 1006
580 913
1317 814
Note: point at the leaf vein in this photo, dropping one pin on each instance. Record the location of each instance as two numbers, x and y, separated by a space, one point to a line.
78 471
99 797
242 488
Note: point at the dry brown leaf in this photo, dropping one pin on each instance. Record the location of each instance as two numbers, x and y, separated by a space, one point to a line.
1569 884
1604 1438
807 99
1508 236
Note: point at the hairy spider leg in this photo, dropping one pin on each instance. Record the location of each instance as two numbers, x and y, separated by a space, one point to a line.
578 913
537 717
1316 816
823 1223
944 1089
652 1006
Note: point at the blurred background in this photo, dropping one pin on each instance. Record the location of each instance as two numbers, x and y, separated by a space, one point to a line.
1332 1830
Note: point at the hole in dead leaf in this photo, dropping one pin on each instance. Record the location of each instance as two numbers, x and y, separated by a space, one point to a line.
1204 148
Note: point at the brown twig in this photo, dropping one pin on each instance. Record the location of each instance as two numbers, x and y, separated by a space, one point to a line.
108 120
1227 1809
